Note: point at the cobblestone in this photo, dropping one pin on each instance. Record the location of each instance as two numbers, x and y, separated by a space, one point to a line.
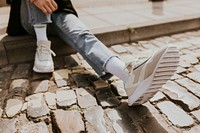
13 107
175 114
7 126
30 127
197 67
196 53
65 98
24 106
19 87
61 77
100 84
127 58
94 125
189 58
184 64
176 76
119 85
85 99
75 99
190 85
149 46
39 86
50 99
196 114
181 70
107 98
194 76
81 80
157 97
36 106
132 50
193 130
68 121
115 118
161 120
1 112
178 93
119 49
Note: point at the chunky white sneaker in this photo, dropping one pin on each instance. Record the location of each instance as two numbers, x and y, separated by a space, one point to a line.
147 78
43 59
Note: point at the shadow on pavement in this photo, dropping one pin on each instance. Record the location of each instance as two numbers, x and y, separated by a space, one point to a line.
138 119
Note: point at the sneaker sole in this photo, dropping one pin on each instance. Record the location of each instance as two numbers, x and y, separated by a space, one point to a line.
42 70
163 71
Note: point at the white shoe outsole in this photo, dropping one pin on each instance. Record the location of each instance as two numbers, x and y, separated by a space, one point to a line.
165 68
48 70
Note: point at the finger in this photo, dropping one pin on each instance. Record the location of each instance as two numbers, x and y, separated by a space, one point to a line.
54 4
50 5
44 10
48 9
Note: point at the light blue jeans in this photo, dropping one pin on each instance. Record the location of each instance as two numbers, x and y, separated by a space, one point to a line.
72 31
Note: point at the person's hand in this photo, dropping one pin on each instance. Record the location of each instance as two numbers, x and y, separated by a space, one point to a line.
47 6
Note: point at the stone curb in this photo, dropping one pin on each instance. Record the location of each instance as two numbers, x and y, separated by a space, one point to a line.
22 49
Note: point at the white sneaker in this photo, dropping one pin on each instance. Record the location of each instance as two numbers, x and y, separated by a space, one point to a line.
43 59
147 78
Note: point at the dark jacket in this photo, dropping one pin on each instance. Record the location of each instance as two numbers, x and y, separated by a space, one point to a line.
14 25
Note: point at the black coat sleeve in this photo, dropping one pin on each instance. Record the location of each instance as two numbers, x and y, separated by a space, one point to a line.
14 24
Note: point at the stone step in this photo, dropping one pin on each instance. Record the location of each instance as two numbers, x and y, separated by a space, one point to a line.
22 49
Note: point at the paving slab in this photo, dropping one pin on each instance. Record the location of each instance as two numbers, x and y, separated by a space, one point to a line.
7 126
98 125
113 112
113 22
177 116
29 127
181 95
68 121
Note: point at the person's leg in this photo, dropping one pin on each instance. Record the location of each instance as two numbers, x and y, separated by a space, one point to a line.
35 22
75 33
141 80
41 31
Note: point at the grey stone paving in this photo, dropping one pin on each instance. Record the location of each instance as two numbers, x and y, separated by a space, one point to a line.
73 99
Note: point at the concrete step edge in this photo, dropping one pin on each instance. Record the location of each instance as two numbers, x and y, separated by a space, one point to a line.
22 49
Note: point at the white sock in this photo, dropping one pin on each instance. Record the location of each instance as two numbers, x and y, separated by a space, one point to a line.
117 67
41 31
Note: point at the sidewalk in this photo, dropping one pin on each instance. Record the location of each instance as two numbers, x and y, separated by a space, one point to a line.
112 22
73 99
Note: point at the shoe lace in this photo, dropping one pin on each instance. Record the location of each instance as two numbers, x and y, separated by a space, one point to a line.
135 64
44 48
130 67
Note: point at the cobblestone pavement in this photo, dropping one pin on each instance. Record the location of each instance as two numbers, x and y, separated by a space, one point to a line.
73 99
